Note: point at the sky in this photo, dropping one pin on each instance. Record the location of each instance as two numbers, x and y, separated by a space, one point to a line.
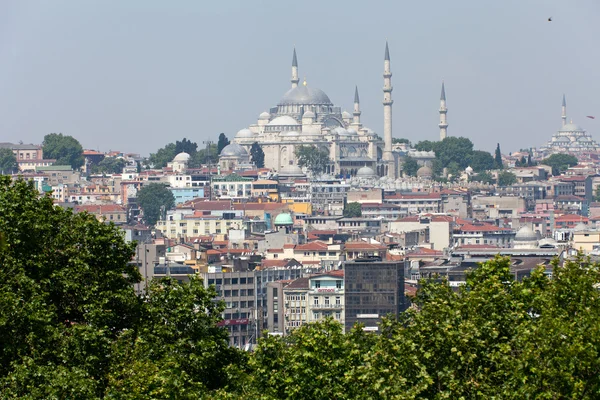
135 75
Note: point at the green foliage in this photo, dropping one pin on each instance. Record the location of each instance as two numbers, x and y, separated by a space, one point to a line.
163 156
498 158
506 178
452 149
185 146
481 161
258 155
314 159
426 145
560 162
400 141
151 198
410 166
352 210
597 193
484 177
223 141
8 162
65 149
208 155
109 165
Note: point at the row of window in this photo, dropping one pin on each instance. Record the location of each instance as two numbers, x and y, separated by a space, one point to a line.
231 281
338 300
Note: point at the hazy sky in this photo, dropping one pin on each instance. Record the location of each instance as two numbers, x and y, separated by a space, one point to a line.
134 75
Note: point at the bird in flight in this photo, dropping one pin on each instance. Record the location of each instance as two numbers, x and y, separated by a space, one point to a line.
590 117
550 19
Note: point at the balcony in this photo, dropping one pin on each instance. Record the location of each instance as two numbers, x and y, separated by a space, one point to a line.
327 306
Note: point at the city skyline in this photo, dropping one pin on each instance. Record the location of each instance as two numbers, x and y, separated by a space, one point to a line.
122 77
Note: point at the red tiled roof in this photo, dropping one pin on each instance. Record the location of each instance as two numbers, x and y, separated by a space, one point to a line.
203 205
289 246
363 246
100 208
571 218
273 263
259 206
275 251
426 251
312 246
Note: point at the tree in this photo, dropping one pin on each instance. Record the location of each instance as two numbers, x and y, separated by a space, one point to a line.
506 178
400 141
185 146
498 158
258 155
163 156
352 210
454 149
530 162
65 149
484 177
8 162
152 198
560 162
109 165
426 145
316 160
481 161
209 155
223 141
410 166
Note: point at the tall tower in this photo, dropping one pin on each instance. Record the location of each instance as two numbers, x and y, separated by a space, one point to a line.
295 79
443 110
388 157
356 113
564 111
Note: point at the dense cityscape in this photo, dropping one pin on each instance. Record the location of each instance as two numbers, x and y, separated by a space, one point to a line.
304 256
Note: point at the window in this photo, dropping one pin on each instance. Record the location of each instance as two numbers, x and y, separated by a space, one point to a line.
326 300
338 284
338 300
317 284
315 301
234 281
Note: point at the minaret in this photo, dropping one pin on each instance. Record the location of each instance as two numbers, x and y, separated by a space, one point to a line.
295 79
564 111
388 157
356 113
443 110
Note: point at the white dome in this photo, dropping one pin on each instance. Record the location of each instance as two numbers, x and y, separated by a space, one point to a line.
346 115
340 131
291 170
571 128
424 172
366 172
182 157
469 170
289 134
525 234
284 120
264 115
308 114
352 131
244 133
233 150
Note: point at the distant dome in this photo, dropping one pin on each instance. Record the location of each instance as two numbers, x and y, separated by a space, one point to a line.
340 131
525 234
571 128
244 133
424 172
308 114
289 134
469 170
264 115
182 157
366 172
284 219
291 170
346 115
303 94
352 131
285 120
233 150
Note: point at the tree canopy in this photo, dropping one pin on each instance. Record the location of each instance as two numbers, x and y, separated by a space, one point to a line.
163 156
506 178
352 210
314 159
410 166
65 149
400 141
151 198
498 158
560 162
109 165
223 141
481 161
258 155
8 162
185 146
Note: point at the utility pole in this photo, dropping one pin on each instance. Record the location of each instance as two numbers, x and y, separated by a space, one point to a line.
208 144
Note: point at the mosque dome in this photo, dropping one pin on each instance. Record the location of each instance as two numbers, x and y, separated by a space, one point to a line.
264 115
233 150
308 114
346 115
244 133
289 134
291 170
571 128
366 172
284 219
340 131
303 94
284 120
525 234
424 172
352 131
182 157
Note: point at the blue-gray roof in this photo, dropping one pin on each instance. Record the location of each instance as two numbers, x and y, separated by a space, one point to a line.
305 95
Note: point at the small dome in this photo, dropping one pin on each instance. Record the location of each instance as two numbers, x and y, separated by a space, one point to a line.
525 234
289 134
346 115
284 120
284 219
424 172
469 170
352 131
340 131
571 128
233 150
264 115
366 172
308 114
291 170
244 133
182 157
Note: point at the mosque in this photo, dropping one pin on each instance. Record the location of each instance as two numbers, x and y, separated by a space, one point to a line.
570 138
306 116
